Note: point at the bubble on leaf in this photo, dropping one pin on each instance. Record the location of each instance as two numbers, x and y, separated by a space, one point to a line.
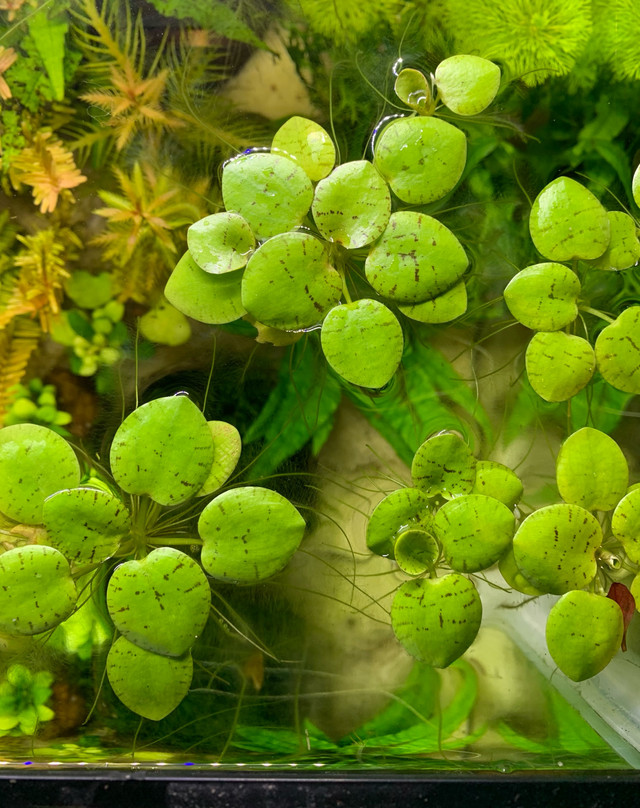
269 191
85 525
624 246
415 551
567 221
442 309
544 297
618 351
398 510
421 158
363 342
163 450
227 446
36 589
412 88
555 547
149 684
160 602
308 144
221 242
417 258
214 299
164 324
444 465
467 84
513 577
436 619
352 205
89 291
497 481
625 524
591 470
249 534
35 462
289 282
559 365
584 632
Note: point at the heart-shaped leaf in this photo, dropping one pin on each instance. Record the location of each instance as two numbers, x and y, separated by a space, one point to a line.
221 242
163 449
442 309
591 470
559 365
398 510
497 481
160 603
417 258
36 589
618 351
308 144
84 524
35 462
624 247
289 282
208 298
249 534
568 222
544 297
415 551
584 632
436 619
625 524
444 465
467 84
422 158
412 88
363 342
555 547
149 684
352 205
227 446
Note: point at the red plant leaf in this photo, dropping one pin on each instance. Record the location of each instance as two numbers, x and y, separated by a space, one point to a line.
625 600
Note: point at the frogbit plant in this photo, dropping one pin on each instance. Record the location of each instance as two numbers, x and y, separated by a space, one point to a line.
165 461
460 517
306 245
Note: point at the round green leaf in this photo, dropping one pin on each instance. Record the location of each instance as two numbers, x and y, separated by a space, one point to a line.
397 511
221 242
352 205
544 297
308 144
363 342
35 462
555 547
36 589
412 88
436 619
89 291
568 222
165 324
163 449
559 365
618 351
149 684
227 446
444 465
161 602
625 524
421 158
208 298
591 470
289 282
467 84
474 531
512 575
624 247
417 258
415 551
497 481
584 632
269 191
84 524
249 534
442 309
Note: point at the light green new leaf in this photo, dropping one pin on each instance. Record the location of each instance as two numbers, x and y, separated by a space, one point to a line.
164 449
421 158
417 258
149 684
555 547
415 551
35 462
467 84
625 524
249 534
397 511
444 465
84 524
618 351
36 589
289 282
412 88
497 481
227 447
308 144
559 365
363 342
591 470
567 222
436 620
269 191
221 242
442 309
624 247
544 297
584 632
352 205
208 298
161 602
165 324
